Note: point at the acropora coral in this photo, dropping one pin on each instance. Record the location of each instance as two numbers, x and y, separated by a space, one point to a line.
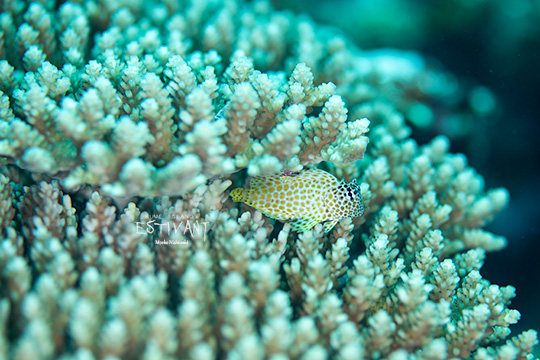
125 124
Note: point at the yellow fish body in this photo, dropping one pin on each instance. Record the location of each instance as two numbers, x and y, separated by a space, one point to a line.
303 198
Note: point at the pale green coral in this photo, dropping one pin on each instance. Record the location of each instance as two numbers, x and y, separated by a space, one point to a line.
399 299
152 69
184 99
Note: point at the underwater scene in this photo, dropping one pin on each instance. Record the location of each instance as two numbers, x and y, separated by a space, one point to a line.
270 179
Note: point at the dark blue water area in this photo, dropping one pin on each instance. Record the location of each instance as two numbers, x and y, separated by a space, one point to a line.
510 158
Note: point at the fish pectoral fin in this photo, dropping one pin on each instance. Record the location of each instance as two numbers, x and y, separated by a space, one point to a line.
272 215
329 225
303 224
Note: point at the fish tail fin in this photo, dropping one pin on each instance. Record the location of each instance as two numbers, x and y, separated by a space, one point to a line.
240 195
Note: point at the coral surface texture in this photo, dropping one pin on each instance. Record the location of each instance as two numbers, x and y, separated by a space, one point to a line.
126 124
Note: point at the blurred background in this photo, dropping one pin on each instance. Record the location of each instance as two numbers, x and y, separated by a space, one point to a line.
493 48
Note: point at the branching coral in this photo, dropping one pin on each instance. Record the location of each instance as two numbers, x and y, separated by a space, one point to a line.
66 116
415 290
170 100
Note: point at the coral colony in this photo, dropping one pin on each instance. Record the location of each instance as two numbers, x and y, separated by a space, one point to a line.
114 111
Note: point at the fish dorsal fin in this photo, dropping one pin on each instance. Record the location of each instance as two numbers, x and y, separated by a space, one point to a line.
303 224
287 175
285 178
329 225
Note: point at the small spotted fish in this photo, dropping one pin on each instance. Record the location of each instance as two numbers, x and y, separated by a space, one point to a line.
303 198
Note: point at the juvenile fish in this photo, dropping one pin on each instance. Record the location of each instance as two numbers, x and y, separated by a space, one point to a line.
303 198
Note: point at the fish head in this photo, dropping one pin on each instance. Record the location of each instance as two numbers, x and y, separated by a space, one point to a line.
346 200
